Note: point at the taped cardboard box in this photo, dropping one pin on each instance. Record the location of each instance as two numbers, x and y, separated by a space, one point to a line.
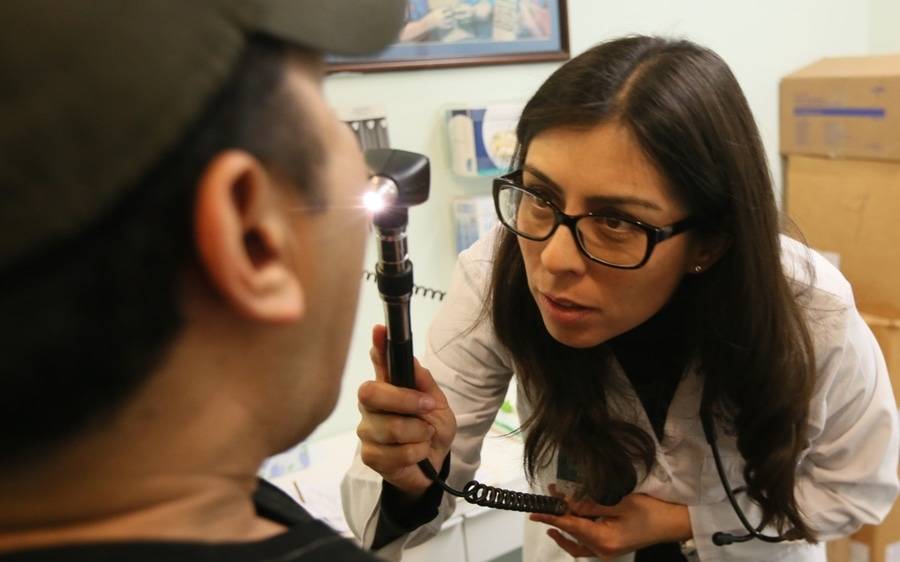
843 108
839 550
852 208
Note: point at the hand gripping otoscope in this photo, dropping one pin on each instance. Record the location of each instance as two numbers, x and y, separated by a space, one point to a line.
400 180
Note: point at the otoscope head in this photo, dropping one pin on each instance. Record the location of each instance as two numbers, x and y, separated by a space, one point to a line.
408 171
399 180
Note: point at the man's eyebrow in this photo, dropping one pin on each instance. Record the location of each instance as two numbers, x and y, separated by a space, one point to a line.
594 200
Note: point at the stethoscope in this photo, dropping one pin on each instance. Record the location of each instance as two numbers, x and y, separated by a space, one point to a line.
720 538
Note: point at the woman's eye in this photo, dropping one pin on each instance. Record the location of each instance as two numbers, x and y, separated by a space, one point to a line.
539 199
614 223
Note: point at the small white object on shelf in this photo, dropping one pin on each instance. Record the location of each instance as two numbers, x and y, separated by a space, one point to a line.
482 138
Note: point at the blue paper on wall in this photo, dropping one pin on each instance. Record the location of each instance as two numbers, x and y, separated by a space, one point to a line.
474 217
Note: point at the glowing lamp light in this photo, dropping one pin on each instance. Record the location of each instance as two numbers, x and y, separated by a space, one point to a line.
382 195
374 201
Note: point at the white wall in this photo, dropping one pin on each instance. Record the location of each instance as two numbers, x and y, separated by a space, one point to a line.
885 18
761 40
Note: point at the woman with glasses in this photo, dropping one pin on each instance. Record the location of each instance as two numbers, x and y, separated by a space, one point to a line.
701 386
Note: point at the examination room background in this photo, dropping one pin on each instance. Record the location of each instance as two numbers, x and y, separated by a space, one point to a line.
761 40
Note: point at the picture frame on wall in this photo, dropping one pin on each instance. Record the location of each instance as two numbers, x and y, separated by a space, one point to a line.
453 33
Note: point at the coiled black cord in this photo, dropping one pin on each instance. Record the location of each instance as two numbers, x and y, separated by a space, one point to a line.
498 498
427 292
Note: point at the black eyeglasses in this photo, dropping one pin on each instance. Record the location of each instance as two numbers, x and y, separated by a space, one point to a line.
605 237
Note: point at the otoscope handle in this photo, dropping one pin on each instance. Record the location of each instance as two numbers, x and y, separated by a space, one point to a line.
395 284
400 363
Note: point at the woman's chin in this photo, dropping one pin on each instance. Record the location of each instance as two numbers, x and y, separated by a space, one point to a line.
577 338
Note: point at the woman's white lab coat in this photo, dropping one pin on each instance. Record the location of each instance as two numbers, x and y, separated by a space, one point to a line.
846 478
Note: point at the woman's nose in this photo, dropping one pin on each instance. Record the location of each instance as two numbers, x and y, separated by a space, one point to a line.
561 253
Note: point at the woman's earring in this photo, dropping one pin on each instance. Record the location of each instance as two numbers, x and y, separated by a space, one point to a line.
698 268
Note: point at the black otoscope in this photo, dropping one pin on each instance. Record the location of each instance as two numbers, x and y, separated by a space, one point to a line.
400 180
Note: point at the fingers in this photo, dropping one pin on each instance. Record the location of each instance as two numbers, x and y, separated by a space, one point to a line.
394 430
573 548
377 353
385 459
578 527
379 337
423 378
379 396
595 537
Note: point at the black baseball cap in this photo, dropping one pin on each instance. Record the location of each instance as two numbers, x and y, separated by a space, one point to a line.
93 92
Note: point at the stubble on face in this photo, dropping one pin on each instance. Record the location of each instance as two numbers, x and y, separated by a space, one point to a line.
330 259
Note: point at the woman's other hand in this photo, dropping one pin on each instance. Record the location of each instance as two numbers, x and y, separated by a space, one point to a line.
401 426
607 532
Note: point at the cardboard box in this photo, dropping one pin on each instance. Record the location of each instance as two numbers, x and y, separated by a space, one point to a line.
887 332
840 134
852 208
877 543
838 550
843 108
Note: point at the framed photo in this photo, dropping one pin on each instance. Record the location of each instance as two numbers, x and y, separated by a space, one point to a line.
448 33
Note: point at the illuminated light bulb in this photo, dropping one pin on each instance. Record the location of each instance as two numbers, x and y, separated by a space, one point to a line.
374 201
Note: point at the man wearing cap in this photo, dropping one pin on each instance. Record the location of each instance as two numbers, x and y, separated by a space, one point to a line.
180 255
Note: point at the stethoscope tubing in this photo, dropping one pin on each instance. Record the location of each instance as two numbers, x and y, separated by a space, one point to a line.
721 538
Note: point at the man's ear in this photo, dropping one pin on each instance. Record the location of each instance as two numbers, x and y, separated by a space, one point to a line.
707 252
243 240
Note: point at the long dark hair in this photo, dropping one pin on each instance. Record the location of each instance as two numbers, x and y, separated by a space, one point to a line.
746 325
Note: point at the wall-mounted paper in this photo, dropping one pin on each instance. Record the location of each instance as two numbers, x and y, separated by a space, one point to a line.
483 139
474 217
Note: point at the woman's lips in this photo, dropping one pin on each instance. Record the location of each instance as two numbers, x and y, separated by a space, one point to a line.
564 302
563 310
